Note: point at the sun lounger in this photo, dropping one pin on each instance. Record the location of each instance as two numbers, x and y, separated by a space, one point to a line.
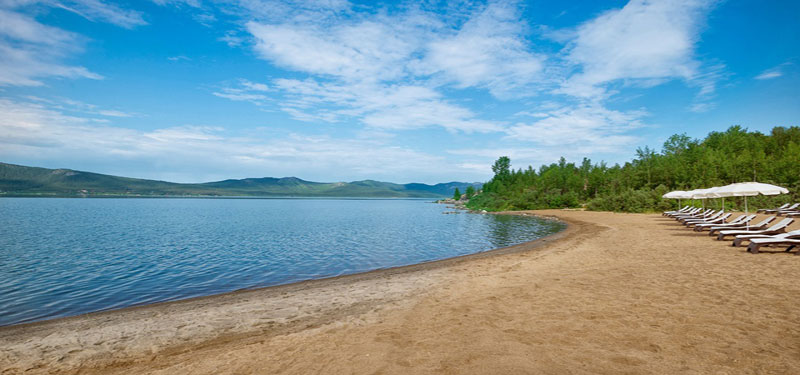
690 212
787 213
705 215
760 226
749 237
718 219
695 214
686 209
789 210
778 228
711 216
740 221
789 238
773 210
753 247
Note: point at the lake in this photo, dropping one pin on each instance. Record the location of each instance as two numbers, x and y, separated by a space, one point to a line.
63 257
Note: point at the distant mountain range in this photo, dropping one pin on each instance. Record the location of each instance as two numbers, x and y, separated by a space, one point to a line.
18 180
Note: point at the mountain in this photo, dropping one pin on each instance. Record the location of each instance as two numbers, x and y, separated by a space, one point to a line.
18 180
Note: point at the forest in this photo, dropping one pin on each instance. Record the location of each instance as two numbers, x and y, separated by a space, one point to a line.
683 163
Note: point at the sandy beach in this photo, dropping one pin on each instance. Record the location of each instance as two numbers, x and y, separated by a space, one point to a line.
613 293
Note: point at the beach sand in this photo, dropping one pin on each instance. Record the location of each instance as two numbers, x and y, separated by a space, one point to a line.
613 293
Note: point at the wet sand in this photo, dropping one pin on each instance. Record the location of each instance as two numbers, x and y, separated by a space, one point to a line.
613 293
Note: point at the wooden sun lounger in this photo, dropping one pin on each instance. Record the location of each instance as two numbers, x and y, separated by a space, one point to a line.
706 215
734 232
682 210
749 237
692 215
690 212
742 235
787 213
789 238
741 219
773 210
789 210
753 247
760 226
719 219
739 222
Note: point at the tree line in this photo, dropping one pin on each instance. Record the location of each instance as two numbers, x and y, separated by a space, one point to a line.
683 163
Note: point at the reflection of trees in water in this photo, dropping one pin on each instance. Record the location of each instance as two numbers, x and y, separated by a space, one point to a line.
505 230
501 230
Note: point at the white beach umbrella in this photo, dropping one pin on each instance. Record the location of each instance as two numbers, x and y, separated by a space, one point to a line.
701 194
749 189
677 194
712 193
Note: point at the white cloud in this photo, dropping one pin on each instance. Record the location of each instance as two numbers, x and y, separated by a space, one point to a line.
31 51
363 51
772 73
701 107
240 96
36 132
489 51
282 10
247 91
232 39
96 10
359 61
22 28
769 75
644 40
26 67
254 86
590 128
191 3
398 107
387 69
113 113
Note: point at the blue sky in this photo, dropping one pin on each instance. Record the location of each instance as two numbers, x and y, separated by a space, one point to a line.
201 90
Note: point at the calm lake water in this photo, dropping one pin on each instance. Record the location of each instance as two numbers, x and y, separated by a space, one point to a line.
62 257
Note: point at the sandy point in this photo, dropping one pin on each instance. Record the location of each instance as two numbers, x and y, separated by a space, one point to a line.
613 293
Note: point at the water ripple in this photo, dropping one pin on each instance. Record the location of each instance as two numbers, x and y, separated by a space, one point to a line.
62 257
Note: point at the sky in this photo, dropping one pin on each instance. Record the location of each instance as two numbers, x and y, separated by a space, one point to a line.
418 91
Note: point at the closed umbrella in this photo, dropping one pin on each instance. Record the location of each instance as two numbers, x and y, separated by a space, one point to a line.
749 189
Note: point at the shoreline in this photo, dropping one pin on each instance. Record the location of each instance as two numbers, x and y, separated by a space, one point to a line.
13 335
611 293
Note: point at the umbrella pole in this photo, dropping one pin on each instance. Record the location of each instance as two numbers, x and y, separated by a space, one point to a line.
745 211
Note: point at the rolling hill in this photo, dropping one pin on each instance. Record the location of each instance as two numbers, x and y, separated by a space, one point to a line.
18 180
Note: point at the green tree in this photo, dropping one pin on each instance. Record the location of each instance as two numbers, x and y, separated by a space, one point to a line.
470 191
502 168
684 163
457 194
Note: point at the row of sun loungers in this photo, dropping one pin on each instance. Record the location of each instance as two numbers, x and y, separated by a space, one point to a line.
763 233
789 239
